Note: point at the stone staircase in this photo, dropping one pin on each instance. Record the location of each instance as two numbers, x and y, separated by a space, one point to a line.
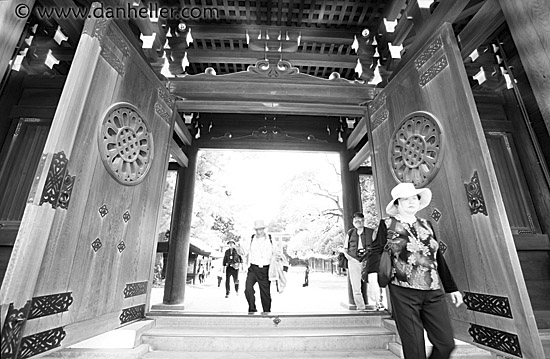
462 350
268 336
180 335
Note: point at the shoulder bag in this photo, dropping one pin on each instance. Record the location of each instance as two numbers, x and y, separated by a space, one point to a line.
385 274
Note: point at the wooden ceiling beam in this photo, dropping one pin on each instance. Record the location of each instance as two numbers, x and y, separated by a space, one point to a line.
360 157
393 9
238 32
358 133
251 57
483 24
181 131
72 28
290 108
178 154
446 11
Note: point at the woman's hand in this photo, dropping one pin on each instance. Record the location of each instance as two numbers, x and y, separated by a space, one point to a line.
456 298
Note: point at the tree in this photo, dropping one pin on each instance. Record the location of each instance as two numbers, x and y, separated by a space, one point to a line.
368 199
226 228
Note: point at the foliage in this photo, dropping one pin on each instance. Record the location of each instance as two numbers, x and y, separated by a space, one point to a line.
306 199
368 199
226 227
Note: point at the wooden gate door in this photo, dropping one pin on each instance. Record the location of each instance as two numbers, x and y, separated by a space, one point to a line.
425 129
82 261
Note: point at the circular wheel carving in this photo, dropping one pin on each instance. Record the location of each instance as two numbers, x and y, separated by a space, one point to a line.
416 149
125 144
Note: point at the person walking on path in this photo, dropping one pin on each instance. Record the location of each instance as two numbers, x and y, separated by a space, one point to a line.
260 251
358 239
232 261
420 274
306 279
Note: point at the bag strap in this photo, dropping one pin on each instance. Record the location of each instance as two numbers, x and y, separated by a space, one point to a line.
391 227
252 238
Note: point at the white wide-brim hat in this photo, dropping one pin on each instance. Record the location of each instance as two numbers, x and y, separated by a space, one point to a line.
259 224
405 190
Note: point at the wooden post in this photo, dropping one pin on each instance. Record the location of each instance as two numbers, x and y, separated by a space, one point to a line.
529 23
180 230
351 197
13 15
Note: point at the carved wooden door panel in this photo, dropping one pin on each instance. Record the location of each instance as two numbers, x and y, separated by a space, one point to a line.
81 264
425 129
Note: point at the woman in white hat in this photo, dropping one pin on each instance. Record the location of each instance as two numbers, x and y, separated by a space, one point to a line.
420 274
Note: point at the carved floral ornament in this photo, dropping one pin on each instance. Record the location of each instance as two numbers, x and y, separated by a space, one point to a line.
416 149
125 144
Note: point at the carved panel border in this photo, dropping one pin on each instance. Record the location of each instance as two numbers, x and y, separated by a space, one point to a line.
428 53
490 304
433 71
496 339
379 102
41 342
379 118
113 60
162 112
132 313
135 289
165 96
50 304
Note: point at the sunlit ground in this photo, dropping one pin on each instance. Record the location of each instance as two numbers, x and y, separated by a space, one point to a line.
326 293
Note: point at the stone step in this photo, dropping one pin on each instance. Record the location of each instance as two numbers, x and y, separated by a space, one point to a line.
460 352
246 339
176 320
545 339
463 350
100 353
371 354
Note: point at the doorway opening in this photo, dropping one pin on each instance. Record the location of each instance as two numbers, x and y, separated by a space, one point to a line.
297 194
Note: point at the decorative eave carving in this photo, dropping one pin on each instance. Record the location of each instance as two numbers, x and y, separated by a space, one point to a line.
273 70
271 82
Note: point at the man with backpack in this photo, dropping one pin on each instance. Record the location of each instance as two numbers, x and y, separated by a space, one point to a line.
260 252
231 263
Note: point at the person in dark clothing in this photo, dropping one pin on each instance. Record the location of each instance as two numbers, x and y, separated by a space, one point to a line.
231 263
420 274
306 279
260 252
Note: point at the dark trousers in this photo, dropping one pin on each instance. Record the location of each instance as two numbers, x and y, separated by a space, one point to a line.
416 310
231 272
260 276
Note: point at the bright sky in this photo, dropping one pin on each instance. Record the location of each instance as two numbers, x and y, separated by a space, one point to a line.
258 182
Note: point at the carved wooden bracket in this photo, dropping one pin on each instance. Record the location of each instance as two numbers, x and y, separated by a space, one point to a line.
476 202
59 183
15 322
496 339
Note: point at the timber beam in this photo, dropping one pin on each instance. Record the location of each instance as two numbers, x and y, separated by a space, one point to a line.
446 11
483 24
288 108
238 32
358 133
360 157
249 57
